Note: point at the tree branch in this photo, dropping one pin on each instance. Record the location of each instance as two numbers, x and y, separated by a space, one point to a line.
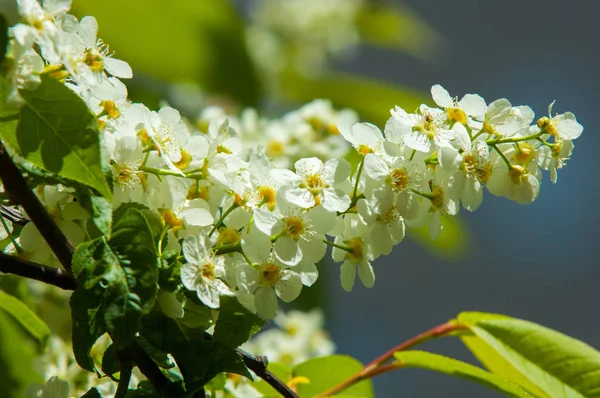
13 215
136 354
258 364
16 186
50 275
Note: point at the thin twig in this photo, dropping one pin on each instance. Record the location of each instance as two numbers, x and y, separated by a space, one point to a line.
50 275
16 186
13 215
258 364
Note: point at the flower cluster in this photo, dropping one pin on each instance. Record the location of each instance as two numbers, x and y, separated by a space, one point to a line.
239 197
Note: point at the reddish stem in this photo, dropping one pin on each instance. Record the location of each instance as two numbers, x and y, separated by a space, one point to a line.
376 367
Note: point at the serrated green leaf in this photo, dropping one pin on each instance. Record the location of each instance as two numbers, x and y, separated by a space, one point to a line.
540 359
25 317
453 367
326 372
236 324
370 98
58 132
118 282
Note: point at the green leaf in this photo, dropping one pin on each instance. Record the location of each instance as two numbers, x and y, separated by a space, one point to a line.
236 324
283 373
92 393
100 209
399 28
205 42
160 358
17 354
25 317
58 132
110 363
118 282
453 367
326 372
542 360
198 359
370 98
3 38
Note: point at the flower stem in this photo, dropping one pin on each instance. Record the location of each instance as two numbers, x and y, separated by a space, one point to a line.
341 247
503 156
377 367
513 139
231 208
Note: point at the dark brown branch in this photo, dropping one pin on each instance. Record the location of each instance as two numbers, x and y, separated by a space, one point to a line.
16 186
258 364
13 215
136 354
53 276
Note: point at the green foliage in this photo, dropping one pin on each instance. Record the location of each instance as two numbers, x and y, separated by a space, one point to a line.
453 367
25 317
371 99
117 285
199 359
100 209
326 372
544 361
201 42
110 363
92 393
3 38
16 358
57 132
283 373
398 28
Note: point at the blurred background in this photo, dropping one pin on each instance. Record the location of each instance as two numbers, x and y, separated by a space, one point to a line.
537 262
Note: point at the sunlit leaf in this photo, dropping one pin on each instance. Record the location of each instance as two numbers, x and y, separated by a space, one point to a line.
453 367
187 41
57 132
544 361
25 317
323 373
451 244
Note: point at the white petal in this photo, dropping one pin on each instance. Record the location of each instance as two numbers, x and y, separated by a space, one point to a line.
287 251
376 168
569 129
381 239
498 111
191 250
189 276
347 275
118 68
338 170
197 217
322 220
266 302
473 105
367 134
246 277
257 246
418 142
473 195
366 274
308 273
300 197
435 225
441 96
265 220
289 286
335 200
88 30
308 166
314 250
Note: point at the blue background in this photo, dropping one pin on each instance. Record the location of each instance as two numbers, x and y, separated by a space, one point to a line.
538 262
